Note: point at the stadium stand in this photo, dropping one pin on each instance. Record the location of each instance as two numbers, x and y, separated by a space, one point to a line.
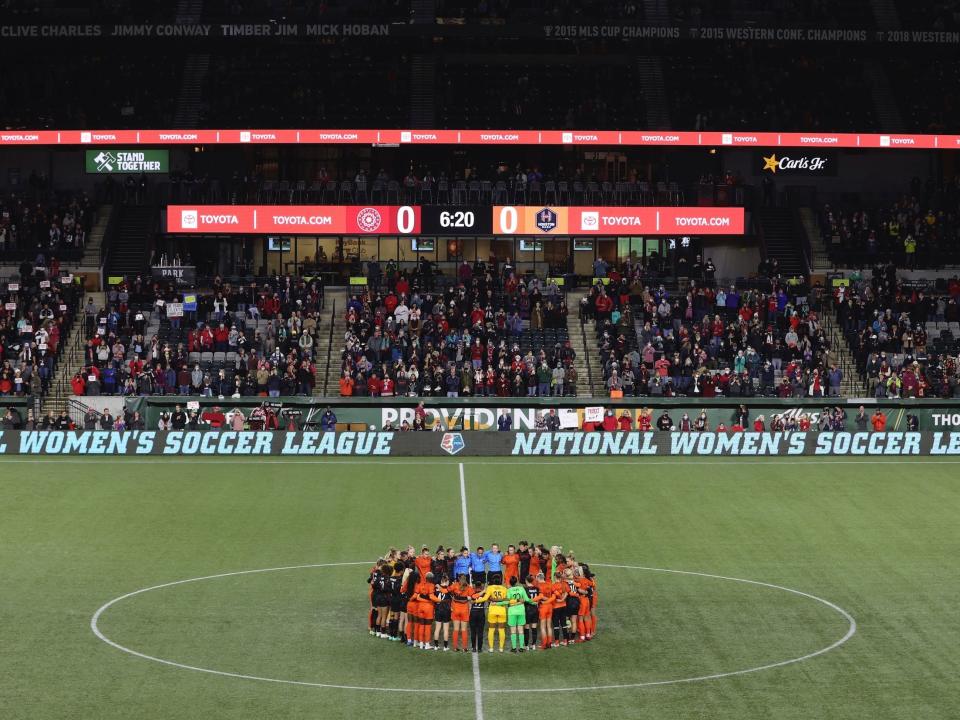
483 333
905 335
37 312
761 338
245 339
918 229
45 232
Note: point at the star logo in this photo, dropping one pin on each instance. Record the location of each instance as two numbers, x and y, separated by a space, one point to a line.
771 163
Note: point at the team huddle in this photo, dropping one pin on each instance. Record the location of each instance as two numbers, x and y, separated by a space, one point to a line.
432 601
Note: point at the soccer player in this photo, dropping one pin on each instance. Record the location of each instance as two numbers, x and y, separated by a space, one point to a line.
396 600
573 602
494 559
378 601
532 615
511 566
545 614
424 562
412 625
584 592
477 617
461 565
517 613
559 616
478 567
403 600
461 594
536 560
594 599
496 596
524 552
442 614
423 592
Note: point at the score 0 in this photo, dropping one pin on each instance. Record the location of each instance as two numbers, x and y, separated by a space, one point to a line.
506 220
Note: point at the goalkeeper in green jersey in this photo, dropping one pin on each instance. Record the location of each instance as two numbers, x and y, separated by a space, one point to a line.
517 598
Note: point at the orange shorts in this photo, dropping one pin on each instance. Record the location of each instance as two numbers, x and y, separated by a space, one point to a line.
425 610
545 611
460 612
412 608
584 608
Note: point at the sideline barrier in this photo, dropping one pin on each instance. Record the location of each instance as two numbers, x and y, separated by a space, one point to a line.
477 444
458 414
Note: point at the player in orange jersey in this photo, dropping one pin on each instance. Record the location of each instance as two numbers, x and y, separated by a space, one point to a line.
594 598
560 593
424 593
582 587
545 600
461 593
536 560
424 562
511 565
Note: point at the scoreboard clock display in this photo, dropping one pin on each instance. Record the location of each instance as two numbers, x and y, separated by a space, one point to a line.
456 220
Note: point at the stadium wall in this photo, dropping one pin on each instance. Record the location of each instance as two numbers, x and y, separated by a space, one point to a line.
481 413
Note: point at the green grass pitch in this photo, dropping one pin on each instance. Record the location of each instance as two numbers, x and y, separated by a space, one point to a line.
878 539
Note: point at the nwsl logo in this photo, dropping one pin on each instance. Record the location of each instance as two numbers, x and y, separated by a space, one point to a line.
452 443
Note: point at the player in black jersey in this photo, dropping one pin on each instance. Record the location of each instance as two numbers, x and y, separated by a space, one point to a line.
441 617
523 550
478 615
533 614
397 603
378 600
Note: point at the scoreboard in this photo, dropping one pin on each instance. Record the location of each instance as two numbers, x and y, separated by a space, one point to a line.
452 220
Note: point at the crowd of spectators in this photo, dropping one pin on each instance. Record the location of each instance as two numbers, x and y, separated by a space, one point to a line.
488 333
469 182
37 311
905 337
917 230
231 341
705 341
44 232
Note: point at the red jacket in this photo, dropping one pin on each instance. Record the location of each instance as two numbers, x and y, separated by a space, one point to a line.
609 423
625 423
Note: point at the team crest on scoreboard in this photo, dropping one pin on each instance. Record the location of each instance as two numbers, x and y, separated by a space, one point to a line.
368 219
452 443
546 220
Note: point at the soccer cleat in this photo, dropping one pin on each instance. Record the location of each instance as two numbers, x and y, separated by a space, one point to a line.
373 632
489 649
446 649
501 649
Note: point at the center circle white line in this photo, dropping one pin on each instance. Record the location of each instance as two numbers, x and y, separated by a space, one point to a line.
851 631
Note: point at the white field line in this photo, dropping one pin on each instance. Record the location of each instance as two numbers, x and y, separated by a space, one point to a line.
474 657
851 630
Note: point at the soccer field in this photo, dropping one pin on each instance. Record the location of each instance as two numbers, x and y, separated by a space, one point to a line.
850 610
